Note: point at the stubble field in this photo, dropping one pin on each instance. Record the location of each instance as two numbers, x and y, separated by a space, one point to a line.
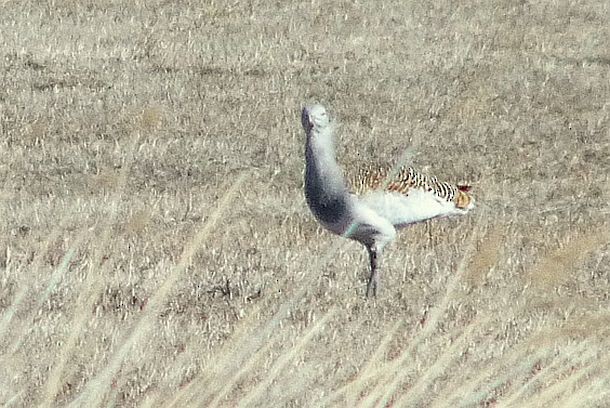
155 245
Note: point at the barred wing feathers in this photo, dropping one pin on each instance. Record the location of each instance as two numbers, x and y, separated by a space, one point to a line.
410 196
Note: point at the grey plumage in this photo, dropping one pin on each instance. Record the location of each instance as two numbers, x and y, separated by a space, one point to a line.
372 218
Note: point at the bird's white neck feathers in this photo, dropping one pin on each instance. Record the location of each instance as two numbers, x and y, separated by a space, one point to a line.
325 188
322 170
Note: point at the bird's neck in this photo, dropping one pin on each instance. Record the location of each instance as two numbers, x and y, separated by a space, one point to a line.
324 181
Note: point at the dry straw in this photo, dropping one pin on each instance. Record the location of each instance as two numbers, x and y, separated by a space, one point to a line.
486 256
558 370
20 297
390 377
95 389
255 396
557 266
247 346
94 282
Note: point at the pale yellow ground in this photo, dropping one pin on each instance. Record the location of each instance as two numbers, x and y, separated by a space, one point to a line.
155 247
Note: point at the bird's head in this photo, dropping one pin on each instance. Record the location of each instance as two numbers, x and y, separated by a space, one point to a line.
314 117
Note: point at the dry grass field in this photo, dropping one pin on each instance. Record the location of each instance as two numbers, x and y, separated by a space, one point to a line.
155 245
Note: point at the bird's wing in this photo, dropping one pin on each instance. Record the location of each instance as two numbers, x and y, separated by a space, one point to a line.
410 196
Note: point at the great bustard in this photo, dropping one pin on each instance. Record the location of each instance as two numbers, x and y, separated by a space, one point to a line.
373 217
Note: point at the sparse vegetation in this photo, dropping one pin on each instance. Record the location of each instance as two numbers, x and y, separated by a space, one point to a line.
156 250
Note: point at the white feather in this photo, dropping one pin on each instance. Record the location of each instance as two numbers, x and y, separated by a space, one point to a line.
401 210
372 218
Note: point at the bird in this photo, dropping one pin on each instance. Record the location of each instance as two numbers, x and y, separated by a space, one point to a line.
370 211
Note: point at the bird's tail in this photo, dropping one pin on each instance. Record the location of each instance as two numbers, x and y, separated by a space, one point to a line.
463 200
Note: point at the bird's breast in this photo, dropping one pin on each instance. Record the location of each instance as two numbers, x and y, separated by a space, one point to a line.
326 208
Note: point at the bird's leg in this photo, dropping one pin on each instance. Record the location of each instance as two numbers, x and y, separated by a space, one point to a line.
371 287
